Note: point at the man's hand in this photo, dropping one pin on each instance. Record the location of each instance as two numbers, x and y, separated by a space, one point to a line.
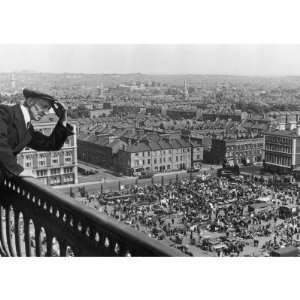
61 112
26 173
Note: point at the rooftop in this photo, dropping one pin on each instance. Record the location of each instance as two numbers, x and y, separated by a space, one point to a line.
290 133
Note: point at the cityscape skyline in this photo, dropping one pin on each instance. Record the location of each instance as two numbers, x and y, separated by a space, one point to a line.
230 60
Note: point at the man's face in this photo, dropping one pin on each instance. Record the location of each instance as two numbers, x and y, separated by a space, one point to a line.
38 108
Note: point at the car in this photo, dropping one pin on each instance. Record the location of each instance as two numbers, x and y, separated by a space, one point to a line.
145 175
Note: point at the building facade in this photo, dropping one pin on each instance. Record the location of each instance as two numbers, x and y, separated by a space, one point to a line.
282 150
96 113
52 167
241 151
197 154
95 153
160 155
181 114
214 116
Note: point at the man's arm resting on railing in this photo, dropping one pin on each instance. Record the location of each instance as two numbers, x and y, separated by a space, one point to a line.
26 173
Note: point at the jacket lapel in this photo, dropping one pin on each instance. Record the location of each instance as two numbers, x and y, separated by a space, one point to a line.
24 135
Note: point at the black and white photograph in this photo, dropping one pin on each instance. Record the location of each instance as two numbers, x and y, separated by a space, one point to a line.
124 150
150 150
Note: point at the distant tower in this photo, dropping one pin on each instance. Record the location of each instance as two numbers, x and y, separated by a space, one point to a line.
13 81
185 91
100 90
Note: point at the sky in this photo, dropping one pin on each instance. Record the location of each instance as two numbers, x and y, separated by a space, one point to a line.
251 60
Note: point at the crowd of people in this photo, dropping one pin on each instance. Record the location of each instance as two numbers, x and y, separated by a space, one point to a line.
217 216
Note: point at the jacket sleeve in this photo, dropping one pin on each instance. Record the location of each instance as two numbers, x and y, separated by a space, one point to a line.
8 161
53 142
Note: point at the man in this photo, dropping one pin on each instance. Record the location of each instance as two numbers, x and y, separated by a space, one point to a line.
16 131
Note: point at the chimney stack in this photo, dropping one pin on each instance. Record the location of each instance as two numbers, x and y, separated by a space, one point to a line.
293 125
281 126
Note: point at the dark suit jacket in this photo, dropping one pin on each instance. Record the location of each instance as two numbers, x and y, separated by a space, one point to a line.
14 137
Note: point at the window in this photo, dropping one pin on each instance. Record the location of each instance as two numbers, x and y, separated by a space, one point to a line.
42 163
55 171
68 159
68 170
28 161
68 178
68 156
55 180
44 180
149 161
42 159
54 161
41 173
55 158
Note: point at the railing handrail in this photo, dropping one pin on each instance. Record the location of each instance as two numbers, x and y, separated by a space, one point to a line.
107 223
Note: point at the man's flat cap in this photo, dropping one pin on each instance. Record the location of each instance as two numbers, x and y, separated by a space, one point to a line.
35 94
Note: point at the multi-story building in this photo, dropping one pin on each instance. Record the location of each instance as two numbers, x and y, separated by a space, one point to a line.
282 149
52 167
96 113
159 154
220 116
137 150
197 153
181 114
241 151
125 109
95 150
153 110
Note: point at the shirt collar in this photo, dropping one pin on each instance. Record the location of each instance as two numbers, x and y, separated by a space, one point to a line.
26 114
